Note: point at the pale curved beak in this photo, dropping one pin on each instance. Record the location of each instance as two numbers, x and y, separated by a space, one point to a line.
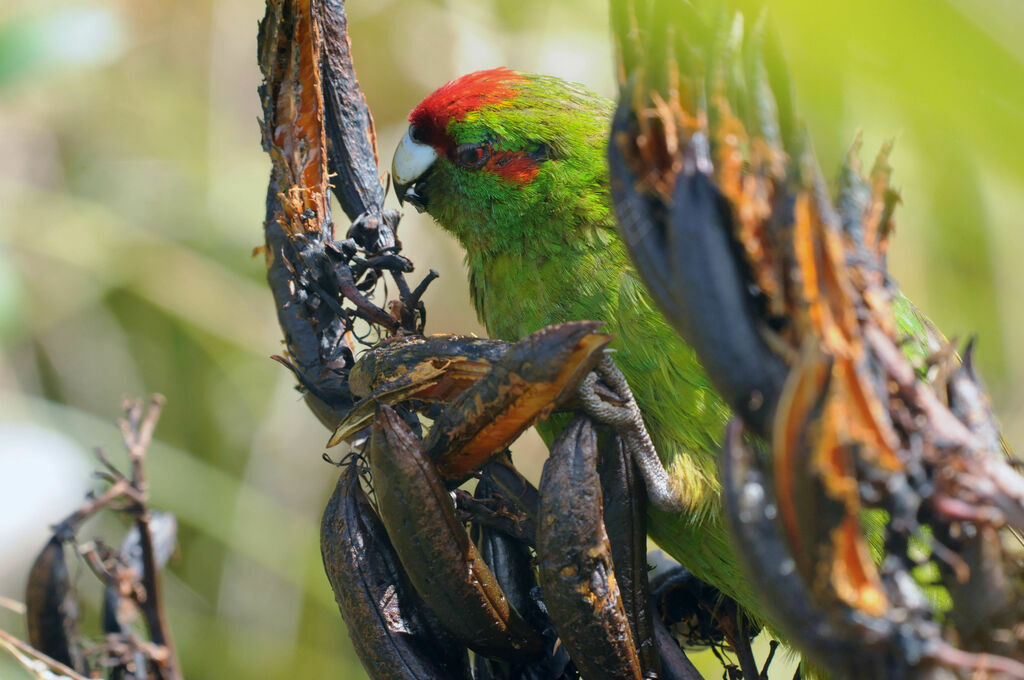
411 164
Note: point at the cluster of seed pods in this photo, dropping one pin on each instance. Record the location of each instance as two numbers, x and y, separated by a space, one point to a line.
548 582
875 508
781 287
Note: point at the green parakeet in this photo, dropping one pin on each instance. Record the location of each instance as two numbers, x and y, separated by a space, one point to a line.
513 165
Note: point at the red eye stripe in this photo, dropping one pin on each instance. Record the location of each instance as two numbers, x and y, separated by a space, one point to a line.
515 166
460 97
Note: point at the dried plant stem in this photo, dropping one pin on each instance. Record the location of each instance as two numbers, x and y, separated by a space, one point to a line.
18 649
137 429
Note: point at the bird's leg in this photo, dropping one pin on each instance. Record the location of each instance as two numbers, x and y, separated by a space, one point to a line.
628 422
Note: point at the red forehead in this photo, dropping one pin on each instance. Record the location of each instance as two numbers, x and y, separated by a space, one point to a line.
456 99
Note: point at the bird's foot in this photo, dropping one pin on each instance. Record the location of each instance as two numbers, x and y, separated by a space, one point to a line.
628 423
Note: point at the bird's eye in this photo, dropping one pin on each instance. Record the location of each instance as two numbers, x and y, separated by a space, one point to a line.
414 134
472 156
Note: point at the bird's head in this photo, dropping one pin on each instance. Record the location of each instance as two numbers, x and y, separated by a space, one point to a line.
497 154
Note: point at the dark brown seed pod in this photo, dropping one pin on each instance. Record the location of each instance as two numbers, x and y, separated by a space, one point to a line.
985 601
465 360
511 484
576 572
443 564
387 622
508 559
625 520
433 370
51 609
843 645
510 510
526 385
685 255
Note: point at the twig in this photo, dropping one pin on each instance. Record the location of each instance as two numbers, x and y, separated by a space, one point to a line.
17 648
90 553
120 488
949 656
367 309
732 628
773 645
353 148
112 472
417 292
137 429
674 662
12 605
152 607
943 423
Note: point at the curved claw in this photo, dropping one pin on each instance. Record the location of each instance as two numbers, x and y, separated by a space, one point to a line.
628 422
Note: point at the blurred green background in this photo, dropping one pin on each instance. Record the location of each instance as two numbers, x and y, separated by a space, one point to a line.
131 196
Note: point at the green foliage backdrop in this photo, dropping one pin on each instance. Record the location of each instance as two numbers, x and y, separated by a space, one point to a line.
131 196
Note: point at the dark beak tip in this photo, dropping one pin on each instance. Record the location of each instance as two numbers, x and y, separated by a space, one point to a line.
412 194
400 191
